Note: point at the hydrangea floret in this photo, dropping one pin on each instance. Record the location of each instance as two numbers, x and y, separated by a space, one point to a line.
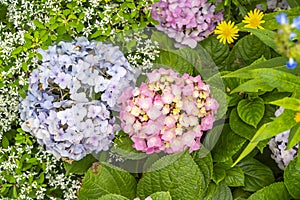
187 21
72 94
278 145
168 113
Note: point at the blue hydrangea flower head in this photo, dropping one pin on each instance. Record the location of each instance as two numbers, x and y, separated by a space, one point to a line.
72 94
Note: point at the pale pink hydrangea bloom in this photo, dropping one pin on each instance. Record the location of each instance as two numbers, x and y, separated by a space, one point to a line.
168 113
187 21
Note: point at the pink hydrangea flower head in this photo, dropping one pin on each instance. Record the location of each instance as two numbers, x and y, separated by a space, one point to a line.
186 21
168 112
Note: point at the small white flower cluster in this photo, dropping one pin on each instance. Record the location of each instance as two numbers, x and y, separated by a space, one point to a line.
278 147
9 106
29 184
144 53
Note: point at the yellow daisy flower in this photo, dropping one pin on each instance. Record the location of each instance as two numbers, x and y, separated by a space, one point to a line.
297 117
227 32
254 19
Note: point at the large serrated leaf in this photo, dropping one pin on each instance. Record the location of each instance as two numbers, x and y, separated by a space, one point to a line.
254 85
288 103
205 163
243 129
244 72
273 191
176 60
251 111
182 178
257 175
161 196
239 126
163 40
284 81
105 179
223 193
211 190
112 197
247 50
292 178
228 144
235 177
212 137
240 194
123 147
294 136
282 123
81 166
266 36
217 50
219 174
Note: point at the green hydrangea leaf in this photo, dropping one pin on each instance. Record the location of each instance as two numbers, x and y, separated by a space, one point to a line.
244 72
112 197
81 166
273 191
266 36
212 137
204 161
181 177
235 177
247 50
219 174
292 178
283 81
211 190
257 175
228 144
251 111
176 60
123 147
217 50
294 136
282 123
240 194
223 193
239 126
161 196
103 178
254 85
288 103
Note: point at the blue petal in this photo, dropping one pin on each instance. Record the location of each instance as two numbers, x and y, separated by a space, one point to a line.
292 35
291 64
296 23
282 18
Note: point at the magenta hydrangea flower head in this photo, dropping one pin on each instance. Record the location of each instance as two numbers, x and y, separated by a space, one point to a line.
187 21
72 94
168 113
